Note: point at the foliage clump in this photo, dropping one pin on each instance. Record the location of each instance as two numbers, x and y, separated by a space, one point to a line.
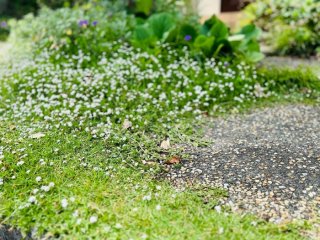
292 26
212 39
91 27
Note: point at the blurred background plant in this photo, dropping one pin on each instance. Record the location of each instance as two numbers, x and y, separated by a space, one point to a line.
19 8
291 27
211 39
69 30
90 26
4 29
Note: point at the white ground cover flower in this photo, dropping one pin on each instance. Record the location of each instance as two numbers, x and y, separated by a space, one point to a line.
93 219
20 163
144 236
126 87
75 214
218 209
45 188
64 203
118 226
146 198
35 191
42 162
38 179
1 153
220 230
32 199
259 91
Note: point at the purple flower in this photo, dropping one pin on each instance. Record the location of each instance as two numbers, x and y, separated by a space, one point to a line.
4 24
83 23
94 23
188 37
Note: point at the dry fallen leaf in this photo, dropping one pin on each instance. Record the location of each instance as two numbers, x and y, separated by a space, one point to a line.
126 124
173 160
206 114
165 144
37 135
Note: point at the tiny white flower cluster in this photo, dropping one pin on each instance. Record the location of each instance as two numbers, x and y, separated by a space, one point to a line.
64 203
1 153
128 86
3 168
93 219
48 187
38 179
44 188
20 163
147 198
32 199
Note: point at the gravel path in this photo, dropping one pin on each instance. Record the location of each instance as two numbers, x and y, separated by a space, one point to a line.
268 161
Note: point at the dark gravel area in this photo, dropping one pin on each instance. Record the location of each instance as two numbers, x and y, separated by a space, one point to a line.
9 233
268 161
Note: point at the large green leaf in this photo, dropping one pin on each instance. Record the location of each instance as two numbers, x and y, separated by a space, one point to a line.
254 46
236 40
251 46
180 32
188 30
206 27
161 24
139 21
142 33
172 35
250 31
254 56
205 44
222 46
143 36
215 27
219 30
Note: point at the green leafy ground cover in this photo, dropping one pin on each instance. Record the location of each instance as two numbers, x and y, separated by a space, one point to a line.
71 186
74 173
81 133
